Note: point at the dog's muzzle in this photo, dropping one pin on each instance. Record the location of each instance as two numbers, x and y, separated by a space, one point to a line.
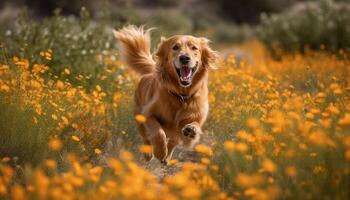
186 73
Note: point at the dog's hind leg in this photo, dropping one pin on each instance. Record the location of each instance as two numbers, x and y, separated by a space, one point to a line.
171 146
142 131
157 137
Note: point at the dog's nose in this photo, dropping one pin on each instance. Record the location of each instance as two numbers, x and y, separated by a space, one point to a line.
184 59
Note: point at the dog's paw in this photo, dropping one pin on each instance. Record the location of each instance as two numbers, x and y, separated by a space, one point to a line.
191 131
164 162
147 156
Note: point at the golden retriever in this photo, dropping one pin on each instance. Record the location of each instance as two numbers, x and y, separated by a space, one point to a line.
172 93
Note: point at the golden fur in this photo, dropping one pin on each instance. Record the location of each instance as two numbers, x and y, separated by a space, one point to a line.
175 113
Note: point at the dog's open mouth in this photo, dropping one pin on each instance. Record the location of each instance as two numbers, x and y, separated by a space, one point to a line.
185 74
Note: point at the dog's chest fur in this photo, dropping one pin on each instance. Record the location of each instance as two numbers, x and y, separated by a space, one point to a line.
169 110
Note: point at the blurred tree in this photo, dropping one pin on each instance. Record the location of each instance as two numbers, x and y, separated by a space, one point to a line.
241 11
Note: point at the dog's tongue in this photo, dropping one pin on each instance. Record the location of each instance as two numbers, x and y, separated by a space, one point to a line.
185 72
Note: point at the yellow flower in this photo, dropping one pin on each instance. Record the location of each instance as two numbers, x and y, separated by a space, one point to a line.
309 115
146 149
59 84
250 192
5 159
190 192
54 117
269 166
346 141
98 151
75 126
75 138
126 156
241 147
30 188
347 155
249 180
319 138
4 88
98 88
252 123
18 192
214 168
64 120
345 120
140 118
333 109
66 71
96 170
229 145
291 171
55 144
115 165
173 162
200 148
249 157
205 161
50 163
318 169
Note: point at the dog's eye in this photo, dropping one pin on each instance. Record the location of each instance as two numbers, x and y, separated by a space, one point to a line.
176 47
194 48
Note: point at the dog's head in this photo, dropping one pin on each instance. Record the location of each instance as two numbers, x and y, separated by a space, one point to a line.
184 58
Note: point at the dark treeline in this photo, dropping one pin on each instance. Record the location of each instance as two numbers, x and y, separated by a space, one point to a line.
238 11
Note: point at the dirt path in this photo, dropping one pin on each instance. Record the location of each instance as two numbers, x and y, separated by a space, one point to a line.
181 154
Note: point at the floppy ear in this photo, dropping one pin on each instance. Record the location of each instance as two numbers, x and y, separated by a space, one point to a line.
161 52
209 56
162 39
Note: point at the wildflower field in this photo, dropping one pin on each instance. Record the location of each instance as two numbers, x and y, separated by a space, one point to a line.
278 129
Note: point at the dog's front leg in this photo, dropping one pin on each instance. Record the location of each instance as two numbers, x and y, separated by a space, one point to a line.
157 137
191 133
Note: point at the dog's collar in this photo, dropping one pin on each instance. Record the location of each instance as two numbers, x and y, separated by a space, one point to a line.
182 97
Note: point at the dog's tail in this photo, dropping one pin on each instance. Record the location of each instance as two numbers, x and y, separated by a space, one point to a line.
134 45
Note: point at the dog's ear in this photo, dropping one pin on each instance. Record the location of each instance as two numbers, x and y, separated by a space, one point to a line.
162 39
209 56
161 52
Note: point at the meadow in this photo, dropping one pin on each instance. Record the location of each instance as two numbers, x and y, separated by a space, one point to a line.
278 128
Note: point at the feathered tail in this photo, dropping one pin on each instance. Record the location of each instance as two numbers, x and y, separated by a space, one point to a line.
134 46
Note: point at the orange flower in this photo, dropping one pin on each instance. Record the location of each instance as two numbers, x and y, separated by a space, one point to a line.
4 88
249 180
18 192
241 147
59 84
140 118
66 71
229 145
146 149
173 162
98 151
75 138
55 144
205 161
291 171
252 123
98 88
200 148
345 120
50 163
269 166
